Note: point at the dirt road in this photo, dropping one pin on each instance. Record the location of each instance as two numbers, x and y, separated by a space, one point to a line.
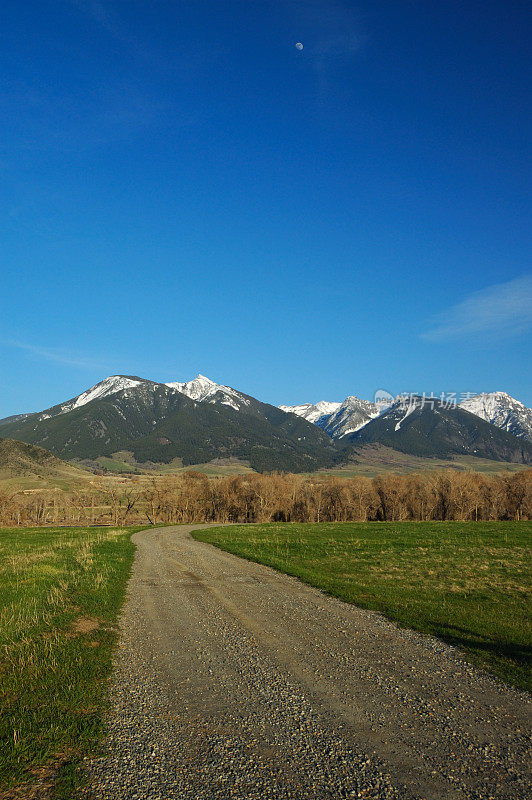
234 681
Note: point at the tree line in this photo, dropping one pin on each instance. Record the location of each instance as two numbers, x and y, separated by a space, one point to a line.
276 497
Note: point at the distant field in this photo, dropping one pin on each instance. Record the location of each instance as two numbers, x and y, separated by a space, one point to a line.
372 460
468 583
60 594
375 459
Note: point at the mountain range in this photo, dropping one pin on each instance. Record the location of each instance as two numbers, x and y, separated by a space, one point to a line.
341 419
424 427
201 421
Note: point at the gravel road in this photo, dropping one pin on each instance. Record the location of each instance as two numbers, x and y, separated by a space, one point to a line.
233 681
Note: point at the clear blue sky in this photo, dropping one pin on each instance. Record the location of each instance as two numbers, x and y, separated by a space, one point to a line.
183 191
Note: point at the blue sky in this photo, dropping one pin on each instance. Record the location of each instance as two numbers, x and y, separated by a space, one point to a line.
185 191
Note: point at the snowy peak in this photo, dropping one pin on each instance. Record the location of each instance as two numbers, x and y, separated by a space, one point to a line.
501 410
349 417
106 388
110 385
336 419
203 390
198 389
312 411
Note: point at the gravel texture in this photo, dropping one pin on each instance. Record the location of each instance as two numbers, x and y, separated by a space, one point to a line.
234 681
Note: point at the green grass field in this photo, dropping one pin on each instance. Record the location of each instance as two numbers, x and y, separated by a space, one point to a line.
60 594
468 583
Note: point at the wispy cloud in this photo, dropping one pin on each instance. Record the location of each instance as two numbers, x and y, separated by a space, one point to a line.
58 356
504 309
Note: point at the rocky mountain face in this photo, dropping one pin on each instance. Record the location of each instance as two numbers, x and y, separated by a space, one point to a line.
350 416
503 411
336 419
423 427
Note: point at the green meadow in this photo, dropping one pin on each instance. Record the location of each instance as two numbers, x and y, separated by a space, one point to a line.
467 583
61 591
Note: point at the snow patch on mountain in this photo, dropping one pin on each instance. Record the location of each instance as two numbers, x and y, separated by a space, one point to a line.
312 411
411 407
203 390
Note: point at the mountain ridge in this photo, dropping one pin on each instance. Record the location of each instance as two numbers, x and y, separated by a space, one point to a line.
199 421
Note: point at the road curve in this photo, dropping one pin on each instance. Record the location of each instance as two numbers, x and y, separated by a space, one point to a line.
234 681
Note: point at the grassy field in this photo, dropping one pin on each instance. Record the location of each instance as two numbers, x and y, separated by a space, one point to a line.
468 583
60 594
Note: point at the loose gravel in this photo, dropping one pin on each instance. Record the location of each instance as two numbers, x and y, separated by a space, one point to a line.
234 681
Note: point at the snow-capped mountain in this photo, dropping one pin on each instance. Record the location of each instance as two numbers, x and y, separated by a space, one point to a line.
106 388
203 390
109 386
312 411
501 410
342 419
155 423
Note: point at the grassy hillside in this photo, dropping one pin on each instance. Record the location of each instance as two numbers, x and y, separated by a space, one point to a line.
25 466
368 460
468 583
375 459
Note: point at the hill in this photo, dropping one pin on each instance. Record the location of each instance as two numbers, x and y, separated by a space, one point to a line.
29 466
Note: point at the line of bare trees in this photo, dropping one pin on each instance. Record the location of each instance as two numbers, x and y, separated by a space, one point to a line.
193 497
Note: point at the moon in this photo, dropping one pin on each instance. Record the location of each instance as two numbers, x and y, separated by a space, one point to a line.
299 46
